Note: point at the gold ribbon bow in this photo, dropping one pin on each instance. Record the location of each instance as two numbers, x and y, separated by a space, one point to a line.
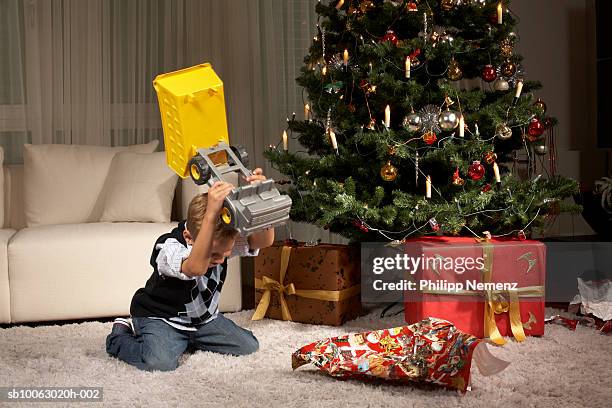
269 285
497 304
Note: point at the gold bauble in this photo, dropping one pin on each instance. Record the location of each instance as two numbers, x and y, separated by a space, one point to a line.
366 6
447 5
540 105
388 172
508 69
454 71
506 47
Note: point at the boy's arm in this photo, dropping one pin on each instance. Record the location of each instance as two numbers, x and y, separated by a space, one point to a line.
261 239
199 259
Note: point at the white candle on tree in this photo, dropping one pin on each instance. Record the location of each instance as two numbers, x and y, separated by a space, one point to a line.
428 187
519 89
387 116
496 173
408 66
306 112
461 126
345 57
285 141
500 13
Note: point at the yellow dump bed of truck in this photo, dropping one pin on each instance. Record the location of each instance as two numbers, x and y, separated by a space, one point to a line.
192 107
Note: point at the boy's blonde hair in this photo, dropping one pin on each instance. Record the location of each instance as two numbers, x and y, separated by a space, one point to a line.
195 213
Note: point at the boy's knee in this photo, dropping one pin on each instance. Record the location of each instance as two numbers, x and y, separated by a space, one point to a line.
249 345
159 363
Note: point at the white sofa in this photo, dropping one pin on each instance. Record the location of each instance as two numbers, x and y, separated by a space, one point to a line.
84 270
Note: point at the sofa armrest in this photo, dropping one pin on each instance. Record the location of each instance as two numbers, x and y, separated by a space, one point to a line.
5 293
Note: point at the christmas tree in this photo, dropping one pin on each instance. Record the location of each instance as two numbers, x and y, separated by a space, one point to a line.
414 113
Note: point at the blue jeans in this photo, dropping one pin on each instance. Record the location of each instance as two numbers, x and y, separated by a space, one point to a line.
156 345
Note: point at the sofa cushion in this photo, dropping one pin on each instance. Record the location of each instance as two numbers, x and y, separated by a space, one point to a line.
5 296
140 187
76 271
1 188
63 183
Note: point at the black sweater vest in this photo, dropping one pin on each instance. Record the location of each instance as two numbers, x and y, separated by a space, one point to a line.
190 300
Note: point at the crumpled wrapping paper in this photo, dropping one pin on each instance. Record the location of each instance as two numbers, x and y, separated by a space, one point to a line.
431 351
594 298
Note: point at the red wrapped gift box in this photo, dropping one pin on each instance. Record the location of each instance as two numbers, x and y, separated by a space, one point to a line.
505 294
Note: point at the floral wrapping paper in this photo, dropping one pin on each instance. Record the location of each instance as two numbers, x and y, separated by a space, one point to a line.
431 351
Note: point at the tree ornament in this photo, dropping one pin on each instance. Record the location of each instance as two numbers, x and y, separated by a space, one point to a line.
454 72
360 226
540 105
476 170
446 39
508 68
389 36
447 5
501 85
457 180
521 235
434 224
448 120
535 128
540 148
478 3
411 6
412 122
503 132
429 118
486 188
506 47
490 157
366 5
488 73
388 172
429 137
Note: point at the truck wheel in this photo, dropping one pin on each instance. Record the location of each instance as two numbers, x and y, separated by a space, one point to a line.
199 170
226 216
242 155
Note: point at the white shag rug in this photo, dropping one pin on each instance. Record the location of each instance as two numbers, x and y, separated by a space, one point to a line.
560 369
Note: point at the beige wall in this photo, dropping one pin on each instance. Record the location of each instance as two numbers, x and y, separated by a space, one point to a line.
558 44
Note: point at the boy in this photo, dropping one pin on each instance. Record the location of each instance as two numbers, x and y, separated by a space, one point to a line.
178 307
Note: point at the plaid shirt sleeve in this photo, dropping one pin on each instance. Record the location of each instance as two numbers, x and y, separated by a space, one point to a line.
170 259
242 248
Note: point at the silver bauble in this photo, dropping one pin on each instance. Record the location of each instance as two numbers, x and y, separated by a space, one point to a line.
501 84
447 39
412 122
448 120
540 149
503 132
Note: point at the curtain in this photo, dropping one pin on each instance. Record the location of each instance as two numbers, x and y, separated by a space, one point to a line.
81 71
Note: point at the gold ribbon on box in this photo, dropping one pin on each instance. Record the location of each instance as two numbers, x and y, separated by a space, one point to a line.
270 285
496 301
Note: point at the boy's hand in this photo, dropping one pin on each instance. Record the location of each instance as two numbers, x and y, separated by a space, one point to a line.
256 177
216 195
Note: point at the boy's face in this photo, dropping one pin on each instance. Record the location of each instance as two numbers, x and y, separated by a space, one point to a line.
220 250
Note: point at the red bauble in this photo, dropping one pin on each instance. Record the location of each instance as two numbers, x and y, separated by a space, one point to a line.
486 188
429 137
476 170
536 128
390 36
488 73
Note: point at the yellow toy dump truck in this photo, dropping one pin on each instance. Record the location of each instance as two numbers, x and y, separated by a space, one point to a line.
192 107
